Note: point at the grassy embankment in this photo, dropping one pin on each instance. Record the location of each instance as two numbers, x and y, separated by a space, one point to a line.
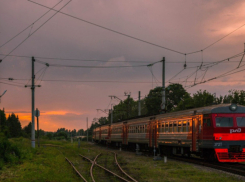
48 164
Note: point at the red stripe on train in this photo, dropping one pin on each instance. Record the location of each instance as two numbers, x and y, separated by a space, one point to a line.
229 136
224 156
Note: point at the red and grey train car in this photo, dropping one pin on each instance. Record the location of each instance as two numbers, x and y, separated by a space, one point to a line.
213 132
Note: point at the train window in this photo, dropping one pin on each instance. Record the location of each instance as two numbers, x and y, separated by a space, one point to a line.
240 121
170 126
166 127
189 126
163 126
184 126
159 127
179 126
224 121
175 126
207 122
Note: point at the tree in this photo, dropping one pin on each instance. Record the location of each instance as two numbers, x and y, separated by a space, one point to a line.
174 93
3 122
62 134
50 135
153 101
14 125
187 102
27 130
235 96
202 99
80 132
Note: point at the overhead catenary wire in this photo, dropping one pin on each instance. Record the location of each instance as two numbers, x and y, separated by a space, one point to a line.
80 66
231 72
31 25
11 84
207 66
109 29
132 37
35 30
98 81
70 59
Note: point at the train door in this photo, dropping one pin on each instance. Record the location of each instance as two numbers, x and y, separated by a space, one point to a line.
125 134
207 127
196 132
152 133
194 127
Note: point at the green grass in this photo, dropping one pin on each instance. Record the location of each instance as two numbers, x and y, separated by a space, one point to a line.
49 164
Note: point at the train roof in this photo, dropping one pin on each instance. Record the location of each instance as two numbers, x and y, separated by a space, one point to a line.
219 108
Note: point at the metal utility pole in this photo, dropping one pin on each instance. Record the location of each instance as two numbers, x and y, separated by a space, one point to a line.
111 114
33 105
242 57
139 106
163 85
37 115
127 94
87 129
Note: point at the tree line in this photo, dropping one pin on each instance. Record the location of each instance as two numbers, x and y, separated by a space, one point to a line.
177 98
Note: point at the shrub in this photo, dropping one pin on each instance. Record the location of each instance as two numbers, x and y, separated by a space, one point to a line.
9 153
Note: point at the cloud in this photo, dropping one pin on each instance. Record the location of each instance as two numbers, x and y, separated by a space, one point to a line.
185 26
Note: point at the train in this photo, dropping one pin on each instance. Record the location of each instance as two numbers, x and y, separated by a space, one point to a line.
215 133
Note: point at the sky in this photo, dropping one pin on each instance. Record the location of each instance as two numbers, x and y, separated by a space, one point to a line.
106 47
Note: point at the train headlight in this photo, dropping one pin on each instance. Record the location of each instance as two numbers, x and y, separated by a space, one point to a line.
220 138
233 107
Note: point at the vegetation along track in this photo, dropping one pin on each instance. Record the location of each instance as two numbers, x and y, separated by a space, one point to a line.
107 170
234 168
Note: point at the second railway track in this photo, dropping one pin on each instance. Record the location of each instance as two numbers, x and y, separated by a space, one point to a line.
110 173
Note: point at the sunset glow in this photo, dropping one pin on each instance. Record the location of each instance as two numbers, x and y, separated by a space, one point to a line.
78 65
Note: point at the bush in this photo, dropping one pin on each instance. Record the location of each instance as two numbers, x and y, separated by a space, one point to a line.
9 153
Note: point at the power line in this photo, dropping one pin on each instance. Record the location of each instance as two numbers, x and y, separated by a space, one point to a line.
209 65
97 81
12 84
84 60
111 30
35 30
79 66
31 25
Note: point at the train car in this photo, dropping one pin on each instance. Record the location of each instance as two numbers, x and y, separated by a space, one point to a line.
215 132
97 134
116 134
105 133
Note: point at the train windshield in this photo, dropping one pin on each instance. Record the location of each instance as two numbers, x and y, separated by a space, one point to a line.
224 121
240 121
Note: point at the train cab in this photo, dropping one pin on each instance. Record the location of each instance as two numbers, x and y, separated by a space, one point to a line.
226 126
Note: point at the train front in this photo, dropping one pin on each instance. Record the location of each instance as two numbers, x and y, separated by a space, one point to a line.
229 133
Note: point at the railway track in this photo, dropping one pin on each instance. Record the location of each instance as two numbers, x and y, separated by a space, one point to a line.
79 174
95 163
234 168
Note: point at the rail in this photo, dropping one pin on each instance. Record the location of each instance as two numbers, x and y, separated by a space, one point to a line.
76 169
94 163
